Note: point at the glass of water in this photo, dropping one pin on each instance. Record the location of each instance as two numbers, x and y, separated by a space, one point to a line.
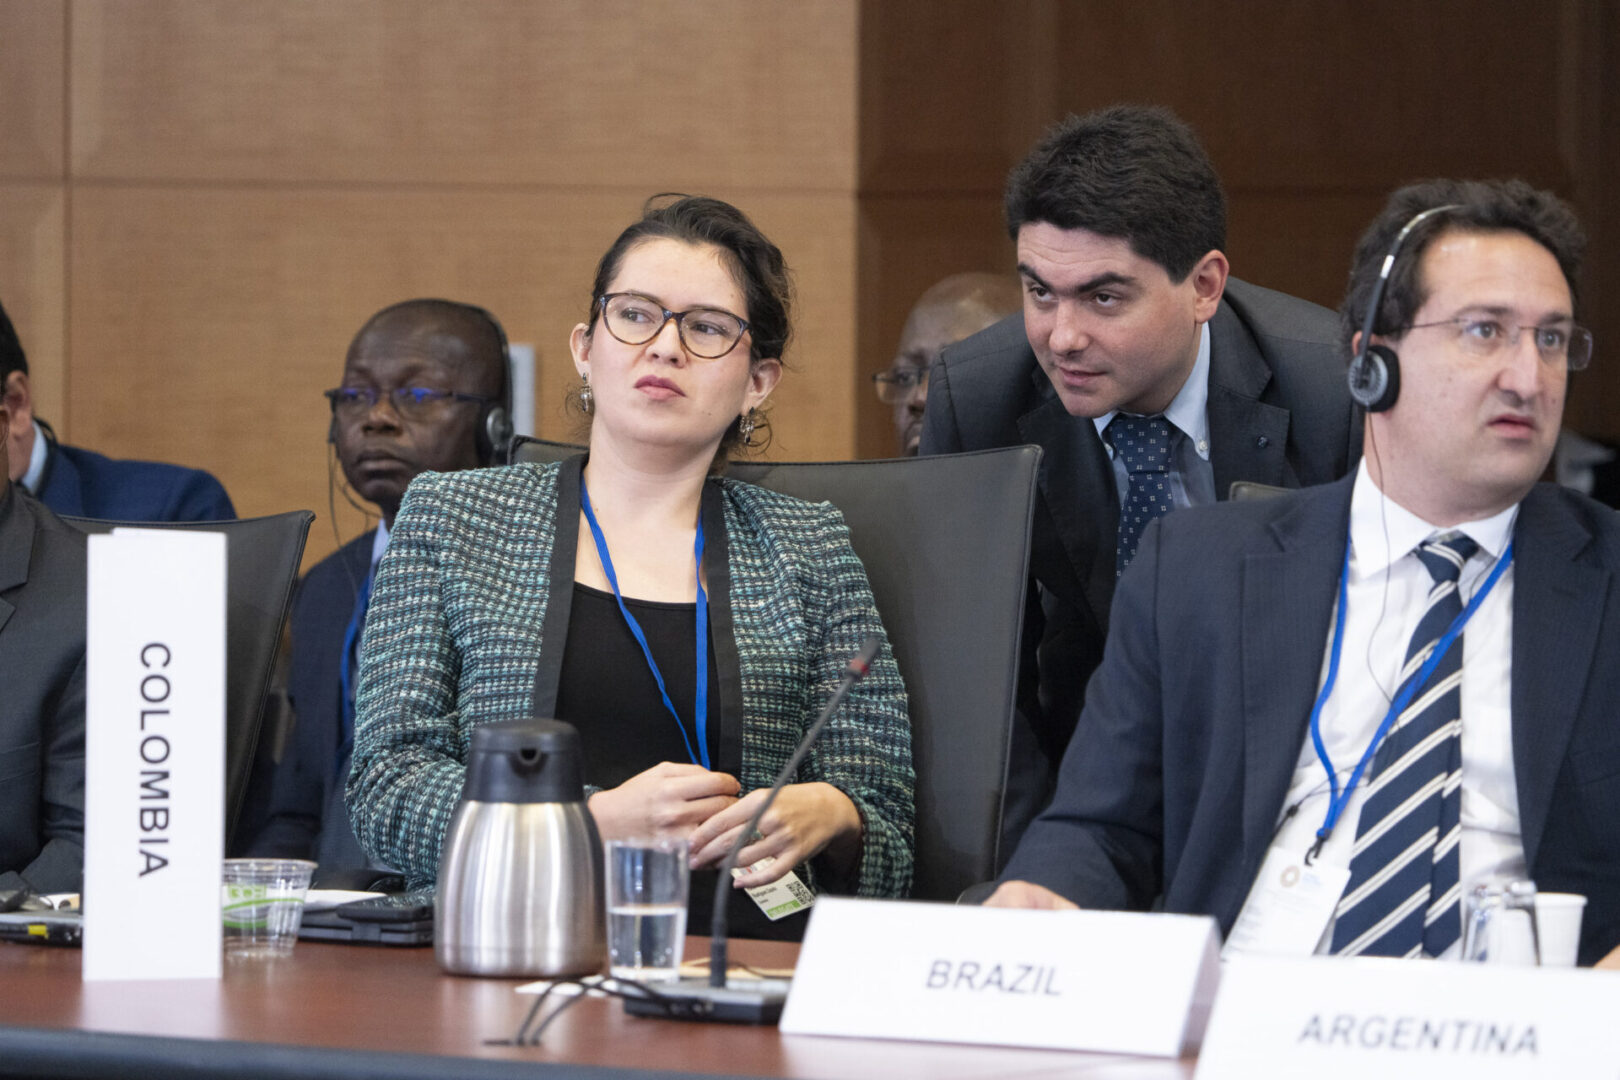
647 884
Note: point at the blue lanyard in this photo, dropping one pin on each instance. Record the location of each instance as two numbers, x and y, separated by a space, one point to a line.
1337 801
700 710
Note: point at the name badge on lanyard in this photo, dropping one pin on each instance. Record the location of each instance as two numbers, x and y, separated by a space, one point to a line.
1296 893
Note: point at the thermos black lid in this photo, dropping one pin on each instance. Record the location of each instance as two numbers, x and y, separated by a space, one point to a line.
525 761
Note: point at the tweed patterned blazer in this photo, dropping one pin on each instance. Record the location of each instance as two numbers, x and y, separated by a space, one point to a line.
466 607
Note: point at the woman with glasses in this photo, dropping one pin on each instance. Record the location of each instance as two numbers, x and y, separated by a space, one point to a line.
690 626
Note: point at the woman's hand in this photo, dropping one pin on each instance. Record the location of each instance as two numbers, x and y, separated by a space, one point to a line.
806 820
666 801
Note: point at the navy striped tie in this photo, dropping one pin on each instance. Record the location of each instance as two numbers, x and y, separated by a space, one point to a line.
1143 445
1402 899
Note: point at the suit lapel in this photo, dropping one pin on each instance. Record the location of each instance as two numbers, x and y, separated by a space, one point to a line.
1248 438
1557 610
1289 588
1077 486
16 547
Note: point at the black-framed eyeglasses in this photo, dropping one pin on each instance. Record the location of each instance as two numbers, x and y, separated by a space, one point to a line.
410 402
1483 336
898 384
707 333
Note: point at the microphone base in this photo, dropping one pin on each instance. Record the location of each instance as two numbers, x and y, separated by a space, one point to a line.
740 1002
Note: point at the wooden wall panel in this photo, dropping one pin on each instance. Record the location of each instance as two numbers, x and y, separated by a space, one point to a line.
33 98
689 96
206 321
32 279
1311 112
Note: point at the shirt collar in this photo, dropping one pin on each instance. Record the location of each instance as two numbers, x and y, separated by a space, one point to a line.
36 462
1373 517
1188 412
379 543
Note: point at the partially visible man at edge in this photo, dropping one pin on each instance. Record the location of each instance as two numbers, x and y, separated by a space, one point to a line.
951 309
42 613
1216 720
1151 379
422 382
82 483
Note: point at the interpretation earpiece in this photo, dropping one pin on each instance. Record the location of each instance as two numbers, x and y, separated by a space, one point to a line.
1375 378
331 430
497 434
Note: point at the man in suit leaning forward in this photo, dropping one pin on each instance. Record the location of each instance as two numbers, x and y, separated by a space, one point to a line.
1257 648
1150 378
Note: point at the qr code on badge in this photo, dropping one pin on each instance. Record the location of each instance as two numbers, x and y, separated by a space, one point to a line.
801 892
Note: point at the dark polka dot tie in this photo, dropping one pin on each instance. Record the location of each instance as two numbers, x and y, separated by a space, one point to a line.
1143 444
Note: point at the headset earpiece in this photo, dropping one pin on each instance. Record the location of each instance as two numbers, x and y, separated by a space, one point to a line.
497 435
331 429
1375 378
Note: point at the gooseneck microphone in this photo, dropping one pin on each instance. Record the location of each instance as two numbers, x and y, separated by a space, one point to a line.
711 999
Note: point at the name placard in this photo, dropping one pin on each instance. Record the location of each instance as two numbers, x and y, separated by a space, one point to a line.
154 755
1326 1017
1067 980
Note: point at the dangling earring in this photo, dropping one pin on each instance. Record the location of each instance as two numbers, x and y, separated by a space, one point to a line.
587 400
745 428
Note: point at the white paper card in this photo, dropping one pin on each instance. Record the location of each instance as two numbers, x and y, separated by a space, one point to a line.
154 754
1070 980
1329 1017
1289 905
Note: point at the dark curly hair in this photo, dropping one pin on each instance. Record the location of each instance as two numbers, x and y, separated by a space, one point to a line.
1133 172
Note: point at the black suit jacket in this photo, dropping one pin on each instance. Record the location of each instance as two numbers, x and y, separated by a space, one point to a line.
42 611
1195 721
1279 414
294 798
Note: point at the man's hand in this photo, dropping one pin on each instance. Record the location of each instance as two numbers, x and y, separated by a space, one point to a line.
1611 962
805 820
1026 894
666 801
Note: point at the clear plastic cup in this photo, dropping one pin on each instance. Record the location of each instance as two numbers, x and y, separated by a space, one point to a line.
647 882
263 905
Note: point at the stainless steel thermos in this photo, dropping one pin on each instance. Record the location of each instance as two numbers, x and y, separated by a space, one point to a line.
520 880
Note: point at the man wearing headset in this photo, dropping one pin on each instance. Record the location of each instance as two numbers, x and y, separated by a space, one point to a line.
1379 692
426 387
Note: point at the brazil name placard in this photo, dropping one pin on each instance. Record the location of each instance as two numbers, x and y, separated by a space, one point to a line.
1068 980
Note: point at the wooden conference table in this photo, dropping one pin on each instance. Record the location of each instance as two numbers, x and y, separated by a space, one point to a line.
353 1011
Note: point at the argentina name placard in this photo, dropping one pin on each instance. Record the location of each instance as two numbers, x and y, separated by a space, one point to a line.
154 754
1066 980
1331 1017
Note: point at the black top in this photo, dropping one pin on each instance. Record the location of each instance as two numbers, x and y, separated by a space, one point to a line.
607 691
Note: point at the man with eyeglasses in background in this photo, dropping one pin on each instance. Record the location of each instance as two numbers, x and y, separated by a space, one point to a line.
82 483
1378 693
426 387
952 309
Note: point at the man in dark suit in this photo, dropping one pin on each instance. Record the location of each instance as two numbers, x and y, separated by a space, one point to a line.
82 483
42 606
1221 709
1150 378
425 388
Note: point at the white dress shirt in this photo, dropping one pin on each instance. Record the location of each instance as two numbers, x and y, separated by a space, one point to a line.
1387 594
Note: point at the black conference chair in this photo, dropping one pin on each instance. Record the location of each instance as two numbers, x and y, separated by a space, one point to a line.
945 541
261 558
